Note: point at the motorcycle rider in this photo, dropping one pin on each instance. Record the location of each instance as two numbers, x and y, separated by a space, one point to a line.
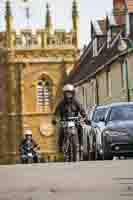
28 141
69 107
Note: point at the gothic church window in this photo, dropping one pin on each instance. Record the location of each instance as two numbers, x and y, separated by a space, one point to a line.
44 94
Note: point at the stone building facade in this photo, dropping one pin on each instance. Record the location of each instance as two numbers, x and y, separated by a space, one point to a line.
104 73
33 66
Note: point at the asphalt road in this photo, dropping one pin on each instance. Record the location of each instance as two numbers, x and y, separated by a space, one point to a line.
109 180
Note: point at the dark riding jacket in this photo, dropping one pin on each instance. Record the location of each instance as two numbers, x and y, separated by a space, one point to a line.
69 109
25 143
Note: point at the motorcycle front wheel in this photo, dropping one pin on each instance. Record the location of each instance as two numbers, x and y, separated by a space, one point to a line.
74 149
72 153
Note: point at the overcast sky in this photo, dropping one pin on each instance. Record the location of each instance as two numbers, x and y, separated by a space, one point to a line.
61 14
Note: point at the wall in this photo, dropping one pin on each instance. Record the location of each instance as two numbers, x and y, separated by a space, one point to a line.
3 87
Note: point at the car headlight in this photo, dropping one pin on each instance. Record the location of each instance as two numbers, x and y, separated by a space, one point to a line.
115 133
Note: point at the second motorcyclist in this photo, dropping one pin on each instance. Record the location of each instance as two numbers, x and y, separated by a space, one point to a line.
28 144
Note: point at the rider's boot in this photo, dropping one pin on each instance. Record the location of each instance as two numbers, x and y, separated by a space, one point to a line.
81 153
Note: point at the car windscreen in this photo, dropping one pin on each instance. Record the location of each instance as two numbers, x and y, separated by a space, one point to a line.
121 113
98 114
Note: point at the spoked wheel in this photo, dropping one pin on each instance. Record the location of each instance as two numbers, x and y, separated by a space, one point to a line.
70 150
66 149
73 149
71 154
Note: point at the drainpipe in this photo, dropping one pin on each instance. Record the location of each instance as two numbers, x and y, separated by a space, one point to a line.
97 97
127 81
121 48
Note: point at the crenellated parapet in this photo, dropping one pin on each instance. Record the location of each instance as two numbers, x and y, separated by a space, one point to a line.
29 39
46 37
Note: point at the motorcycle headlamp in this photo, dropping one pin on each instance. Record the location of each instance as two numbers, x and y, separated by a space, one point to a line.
114 133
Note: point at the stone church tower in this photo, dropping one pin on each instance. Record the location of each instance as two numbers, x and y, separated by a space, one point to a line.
33 66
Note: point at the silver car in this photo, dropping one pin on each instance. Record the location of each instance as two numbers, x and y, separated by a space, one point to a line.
94 115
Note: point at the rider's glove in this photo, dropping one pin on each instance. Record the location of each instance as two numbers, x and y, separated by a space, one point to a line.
54 122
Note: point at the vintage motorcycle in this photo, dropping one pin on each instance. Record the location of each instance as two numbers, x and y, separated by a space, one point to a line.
70 145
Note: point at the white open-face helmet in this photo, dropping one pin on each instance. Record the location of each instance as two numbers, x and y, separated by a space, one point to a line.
28 132
68 88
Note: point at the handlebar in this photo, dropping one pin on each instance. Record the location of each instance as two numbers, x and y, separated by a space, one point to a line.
63 122
71 118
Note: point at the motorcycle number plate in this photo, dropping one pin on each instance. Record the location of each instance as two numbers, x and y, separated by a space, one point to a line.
30 154
71 124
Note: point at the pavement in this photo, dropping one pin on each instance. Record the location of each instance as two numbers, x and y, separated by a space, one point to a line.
110 180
